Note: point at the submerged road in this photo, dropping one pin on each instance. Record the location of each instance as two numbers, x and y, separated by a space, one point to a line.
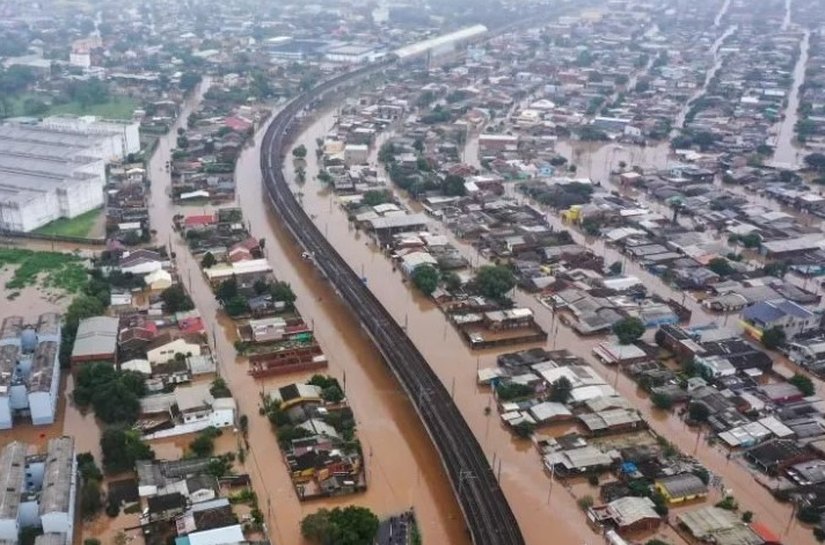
488 516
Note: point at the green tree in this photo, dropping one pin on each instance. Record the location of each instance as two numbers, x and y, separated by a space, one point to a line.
236 305
121 448
208 261
281 291
747 517
560 390
508 391
227 290
720 266
773 338
453 186
628 330
494 281
698 412
91 501
452 281
816 161
805 384
219 388
299 152
175 299
524 429
425 277
662 401
351 525
114 395
374 197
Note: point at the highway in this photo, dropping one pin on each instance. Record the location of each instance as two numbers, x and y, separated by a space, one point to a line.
488 516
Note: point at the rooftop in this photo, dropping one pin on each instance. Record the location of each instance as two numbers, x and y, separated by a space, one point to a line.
59 475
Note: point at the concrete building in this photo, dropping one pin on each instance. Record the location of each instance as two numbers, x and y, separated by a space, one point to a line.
57 169
96 340
29 369
787 315
38 491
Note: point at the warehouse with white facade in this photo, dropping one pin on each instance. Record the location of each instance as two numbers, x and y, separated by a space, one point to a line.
29 369
57 168
38 491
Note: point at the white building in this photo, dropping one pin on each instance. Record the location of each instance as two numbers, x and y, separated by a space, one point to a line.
57 169
38 491
29 369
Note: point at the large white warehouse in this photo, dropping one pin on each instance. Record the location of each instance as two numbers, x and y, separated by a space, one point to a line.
57 169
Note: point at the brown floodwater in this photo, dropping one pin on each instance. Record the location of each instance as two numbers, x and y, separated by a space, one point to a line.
524 482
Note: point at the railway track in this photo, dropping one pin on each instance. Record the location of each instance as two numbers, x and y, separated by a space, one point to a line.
488 516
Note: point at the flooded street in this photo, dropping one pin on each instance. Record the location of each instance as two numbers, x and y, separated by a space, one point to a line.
717 65
786 152
524 483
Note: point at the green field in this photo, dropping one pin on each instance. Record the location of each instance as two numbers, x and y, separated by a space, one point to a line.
117 107
79 226
48 269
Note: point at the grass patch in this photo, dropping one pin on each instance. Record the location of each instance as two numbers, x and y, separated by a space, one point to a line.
79 226
117 107
61 271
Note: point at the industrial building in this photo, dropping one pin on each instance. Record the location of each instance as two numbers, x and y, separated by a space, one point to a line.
29 369
57 168
38 491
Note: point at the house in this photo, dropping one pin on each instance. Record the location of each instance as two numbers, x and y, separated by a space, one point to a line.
627 515
163 348
225 535
158 280
196 405
681 488
296 394
716 525
774 456
787 315
166 504
140 262
96 340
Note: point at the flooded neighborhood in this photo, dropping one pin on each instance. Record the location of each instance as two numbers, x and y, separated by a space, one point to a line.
407 272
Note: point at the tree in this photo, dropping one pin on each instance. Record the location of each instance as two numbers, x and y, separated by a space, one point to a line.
121 448
114 395
698 412
208 261
494 281
805 384
453 186
90 499
332 394
616 268
662 401
524 429
203 445
560 390
351 525
281 291
508 391
747 517
236 305
374 197
452 281
227 290
773 338
175 299
425 277
628 330
189 80
720 266
219 388
299 152
816 161
751 240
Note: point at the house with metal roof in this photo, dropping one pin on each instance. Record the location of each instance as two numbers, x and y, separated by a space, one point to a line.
792 318
681 488
96 340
